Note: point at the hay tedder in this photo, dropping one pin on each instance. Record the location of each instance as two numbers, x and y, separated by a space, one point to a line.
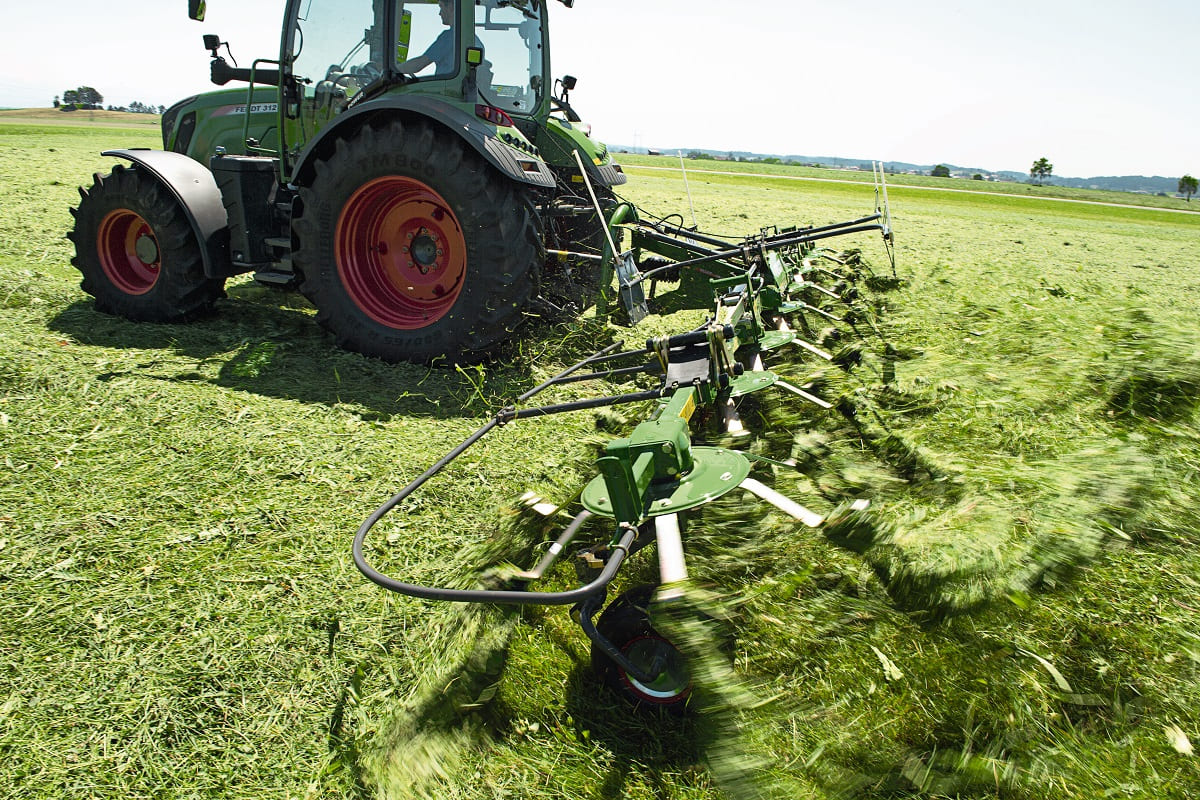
776 292
410 167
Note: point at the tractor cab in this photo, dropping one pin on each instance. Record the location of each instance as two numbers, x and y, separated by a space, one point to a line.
487 58
345 52
479 66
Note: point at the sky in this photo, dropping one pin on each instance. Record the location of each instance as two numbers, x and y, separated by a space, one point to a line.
1098 88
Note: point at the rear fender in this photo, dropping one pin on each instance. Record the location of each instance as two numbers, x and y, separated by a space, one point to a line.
196 190
482 136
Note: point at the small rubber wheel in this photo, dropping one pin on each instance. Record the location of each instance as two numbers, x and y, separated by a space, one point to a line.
626 623
137 252
413 248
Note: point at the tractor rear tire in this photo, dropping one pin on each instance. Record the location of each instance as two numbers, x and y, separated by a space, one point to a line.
137 252
412 248
626 624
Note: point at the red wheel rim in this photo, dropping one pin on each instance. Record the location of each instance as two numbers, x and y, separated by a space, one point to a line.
673 686
400 252
128 250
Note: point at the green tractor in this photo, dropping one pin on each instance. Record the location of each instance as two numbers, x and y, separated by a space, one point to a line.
406 164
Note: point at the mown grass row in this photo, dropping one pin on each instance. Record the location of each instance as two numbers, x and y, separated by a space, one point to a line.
1018 618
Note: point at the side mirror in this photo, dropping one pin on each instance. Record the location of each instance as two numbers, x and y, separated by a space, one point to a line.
196 9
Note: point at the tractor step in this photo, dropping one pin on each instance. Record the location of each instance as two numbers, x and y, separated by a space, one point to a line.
276 279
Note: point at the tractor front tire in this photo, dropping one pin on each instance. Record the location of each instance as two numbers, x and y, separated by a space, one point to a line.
413 248
137 252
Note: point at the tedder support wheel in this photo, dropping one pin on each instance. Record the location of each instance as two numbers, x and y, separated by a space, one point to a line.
413 248
137 252
626 623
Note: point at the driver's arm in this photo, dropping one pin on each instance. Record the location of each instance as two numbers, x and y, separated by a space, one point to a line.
414 65
440 54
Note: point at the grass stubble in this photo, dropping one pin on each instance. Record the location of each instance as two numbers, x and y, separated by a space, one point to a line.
1016 616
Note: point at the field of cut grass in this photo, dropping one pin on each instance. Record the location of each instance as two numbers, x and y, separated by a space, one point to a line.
796 172
1020 619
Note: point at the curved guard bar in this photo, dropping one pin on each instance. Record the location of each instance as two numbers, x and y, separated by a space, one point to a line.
620 551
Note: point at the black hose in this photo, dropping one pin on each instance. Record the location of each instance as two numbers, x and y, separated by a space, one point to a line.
485 595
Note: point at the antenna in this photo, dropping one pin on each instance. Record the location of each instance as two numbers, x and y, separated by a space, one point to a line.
695 224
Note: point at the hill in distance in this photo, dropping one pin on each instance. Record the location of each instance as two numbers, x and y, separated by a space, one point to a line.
1140 184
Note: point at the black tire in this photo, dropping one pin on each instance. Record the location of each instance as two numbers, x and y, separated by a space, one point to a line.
626 623
413 248
137 252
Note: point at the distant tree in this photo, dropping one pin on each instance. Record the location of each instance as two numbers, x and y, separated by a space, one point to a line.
940 171
1187 187
1041 170
90 97
162 109
82 97
56 103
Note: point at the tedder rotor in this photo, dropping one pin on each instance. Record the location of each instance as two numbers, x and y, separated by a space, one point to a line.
770 292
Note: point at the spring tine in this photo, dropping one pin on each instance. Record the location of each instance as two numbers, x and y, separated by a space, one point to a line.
730 421
672 568
556 549
784 504
536 503
812 398
812 348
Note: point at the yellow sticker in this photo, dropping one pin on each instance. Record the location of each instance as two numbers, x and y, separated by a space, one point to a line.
689 407
403 35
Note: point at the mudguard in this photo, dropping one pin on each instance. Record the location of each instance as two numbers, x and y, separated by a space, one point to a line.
479 134
196 190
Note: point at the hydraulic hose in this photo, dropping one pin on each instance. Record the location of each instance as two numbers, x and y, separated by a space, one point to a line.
515 597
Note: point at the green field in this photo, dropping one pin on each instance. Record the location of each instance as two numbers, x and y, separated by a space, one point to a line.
181 616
